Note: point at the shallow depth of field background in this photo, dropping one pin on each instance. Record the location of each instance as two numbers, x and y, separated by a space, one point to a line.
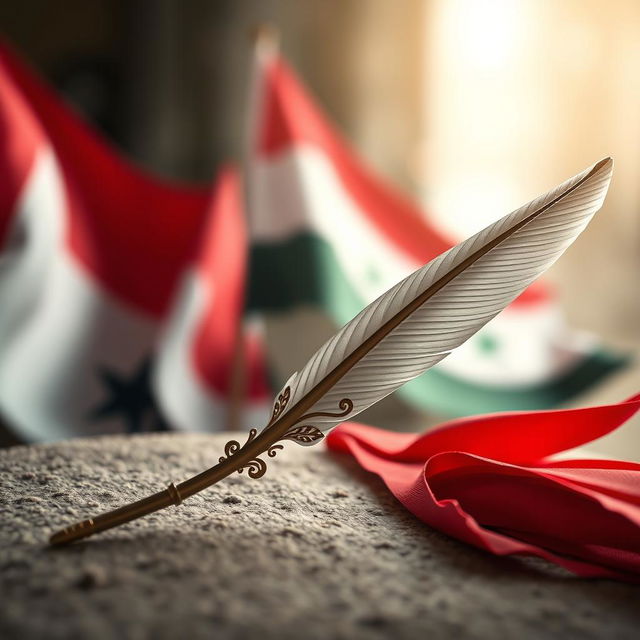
472 106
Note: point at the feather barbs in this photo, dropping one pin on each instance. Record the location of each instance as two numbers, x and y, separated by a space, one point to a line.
421 319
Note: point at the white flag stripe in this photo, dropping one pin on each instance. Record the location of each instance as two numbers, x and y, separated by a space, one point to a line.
61 329
185 400
298 191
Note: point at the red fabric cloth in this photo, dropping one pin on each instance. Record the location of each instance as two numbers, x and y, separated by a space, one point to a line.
496 482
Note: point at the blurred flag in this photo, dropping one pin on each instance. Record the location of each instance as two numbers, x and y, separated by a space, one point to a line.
93 256
327 232
198 359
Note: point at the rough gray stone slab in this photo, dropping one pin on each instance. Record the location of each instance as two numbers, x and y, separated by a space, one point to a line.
315 549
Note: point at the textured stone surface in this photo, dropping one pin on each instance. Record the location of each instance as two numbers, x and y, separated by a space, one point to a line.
315 549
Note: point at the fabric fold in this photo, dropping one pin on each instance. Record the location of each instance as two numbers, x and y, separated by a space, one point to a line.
494 482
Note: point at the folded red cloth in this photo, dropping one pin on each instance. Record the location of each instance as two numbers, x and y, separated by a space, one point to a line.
496 482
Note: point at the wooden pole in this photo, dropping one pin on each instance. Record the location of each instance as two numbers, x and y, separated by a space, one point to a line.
238 382
264 38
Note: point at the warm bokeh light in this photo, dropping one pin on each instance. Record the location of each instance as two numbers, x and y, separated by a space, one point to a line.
520 95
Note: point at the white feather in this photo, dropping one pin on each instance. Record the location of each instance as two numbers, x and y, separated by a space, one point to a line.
457 310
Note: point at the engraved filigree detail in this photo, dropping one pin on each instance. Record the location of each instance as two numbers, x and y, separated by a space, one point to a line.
307 434
280 404
304 435
256 467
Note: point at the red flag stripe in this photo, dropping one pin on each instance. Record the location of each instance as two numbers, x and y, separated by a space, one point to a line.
20 138
113 208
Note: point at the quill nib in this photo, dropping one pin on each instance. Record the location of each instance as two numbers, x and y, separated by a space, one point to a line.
407 330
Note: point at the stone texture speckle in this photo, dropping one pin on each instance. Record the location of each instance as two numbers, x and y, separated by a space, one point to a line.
315 549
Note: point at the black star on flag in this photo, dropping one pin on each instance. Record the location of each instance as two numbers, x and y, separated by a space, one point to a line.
132 399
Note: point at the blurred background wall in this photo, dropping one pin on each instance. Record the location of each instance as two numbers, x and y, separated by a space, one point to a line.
519 95
472 106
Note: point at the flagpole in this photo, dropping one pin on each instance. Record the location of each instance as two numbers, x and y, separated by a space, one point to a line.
238 381
265 39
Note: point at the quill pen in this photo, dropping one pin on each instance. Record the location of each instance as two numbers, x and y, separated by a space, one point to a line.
407 330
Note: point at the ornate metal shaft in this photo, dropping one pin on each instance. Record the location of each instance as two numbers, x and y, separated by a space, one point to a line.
236 458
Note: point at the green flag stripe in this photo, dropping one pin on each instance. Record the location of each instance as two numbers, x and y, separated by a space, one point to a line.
450 396
303 270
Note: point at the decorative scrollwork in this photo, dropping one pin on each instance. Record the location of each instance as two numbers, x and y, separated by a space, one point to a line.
345 404
256 467
233 446
303 434
273 450
280 404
